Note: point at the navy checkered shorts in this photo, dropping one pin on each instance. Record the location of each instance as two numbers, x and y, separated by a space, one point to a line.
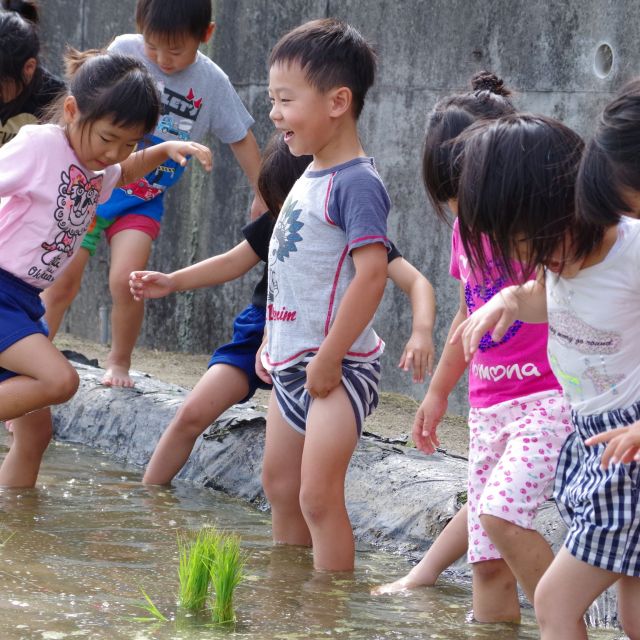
600 506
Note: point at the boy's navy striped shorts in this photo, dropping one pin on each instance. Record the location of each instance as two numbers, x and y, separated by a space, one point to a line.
600 506
360 380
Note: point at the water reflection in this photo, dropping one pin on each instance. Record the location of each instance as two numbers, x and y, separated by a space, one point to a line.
84 544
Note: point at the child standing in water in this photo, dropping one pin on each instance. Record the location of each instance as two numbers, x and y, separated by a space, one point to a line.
327 272
518 421
49 200
591 297
231 377
197 99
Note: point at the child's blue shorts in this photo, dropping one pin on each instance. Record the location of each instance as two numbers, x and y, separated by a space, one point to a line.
248 330
21 313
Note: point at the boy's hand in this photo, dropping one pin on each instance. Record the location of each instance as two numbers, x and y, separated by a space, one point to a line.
261 372
323 375
419 355
181 151
623 445
149 284
426 422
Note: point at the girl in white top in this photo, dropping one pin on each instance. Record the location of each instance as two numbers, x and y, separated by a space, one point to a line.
51 179
590 295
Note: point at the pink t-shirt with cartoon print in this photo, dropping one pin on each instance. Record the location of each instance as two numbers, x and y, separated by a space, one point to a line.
48 200
515 367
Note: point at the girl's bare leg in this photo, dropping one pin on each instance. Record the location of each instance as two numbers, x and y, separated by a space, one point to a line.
628 610
220 387
330 441
495 592
130 251
281 478
45 377
526 552
448 547
31 436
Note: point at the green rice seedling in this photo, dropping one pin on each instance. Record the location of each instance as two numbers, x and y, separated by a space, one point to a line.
227 571
196 556
151 609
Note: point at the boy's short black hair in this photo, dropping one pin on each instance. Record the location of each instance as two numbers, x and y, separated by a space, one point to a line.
332 54
169 18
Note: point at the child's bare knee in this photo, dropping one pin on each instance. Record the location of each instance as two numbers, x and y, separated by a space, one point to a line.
314 503
277 488
63 385
498 527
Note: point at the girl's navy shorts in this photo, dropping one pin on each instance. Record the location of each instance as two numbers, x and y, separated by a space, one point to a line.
21 313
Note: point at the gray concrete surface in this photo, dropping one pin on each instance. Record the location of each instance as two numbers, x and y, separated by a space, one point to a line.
544 49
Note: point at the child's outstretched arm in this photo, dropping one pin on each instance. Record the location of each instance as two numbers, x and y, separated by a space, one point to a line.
359 304
207 273
623 445
247 154
449 370
418 352
141 162
526 302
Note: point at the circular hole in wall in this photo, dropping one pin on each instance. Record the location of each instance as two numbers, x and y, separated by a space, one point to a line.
603 60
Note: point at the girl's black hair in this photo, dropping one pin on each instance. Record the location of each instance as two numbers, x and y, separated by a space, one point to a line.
611 162
488 99
19 42
516 195
279 170
28 9
110 85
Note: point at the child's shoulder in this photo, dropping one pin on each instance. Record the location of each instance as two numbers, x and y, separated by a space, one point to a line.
42 133
131 44
357 175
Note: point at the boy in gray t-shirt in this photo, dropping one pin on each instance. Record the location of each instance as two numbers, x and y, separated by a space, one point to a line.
197 98
327 272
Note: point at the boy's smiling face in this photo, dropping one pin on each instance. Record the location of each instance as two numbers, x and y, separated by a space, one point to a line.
299 109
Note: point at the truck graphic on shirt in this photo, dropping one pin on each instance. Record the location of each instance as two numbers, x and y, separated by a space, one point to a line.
180 129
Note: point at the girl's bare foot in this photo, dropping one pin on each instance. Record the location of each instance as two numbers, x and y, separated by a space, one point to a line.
406 583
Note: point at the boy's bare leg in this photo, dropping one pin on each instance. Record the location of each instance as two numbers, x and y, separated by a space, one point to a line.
495 592
564 594
281 478
130 251
329 444
220 387
448 547
31 436
58 297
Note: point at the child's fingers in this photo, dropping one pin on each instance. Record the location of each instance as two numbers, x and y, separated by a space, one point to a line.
430 360
605 436
418 366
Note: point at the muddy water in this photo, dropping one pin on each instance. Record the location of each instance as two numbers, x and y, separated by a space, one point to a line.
77 552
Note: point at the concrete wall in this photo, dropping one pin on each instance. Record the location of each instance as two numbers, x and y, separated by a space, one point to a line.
428 48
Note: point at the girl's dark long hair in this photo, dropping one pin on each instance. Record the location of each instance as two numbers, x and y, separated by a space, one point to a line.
611 162
19 42
516 196
488 99
279 170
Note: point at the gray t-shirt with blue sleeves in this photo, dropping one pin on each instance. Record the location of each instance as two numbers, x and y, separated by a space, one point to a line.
326 215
